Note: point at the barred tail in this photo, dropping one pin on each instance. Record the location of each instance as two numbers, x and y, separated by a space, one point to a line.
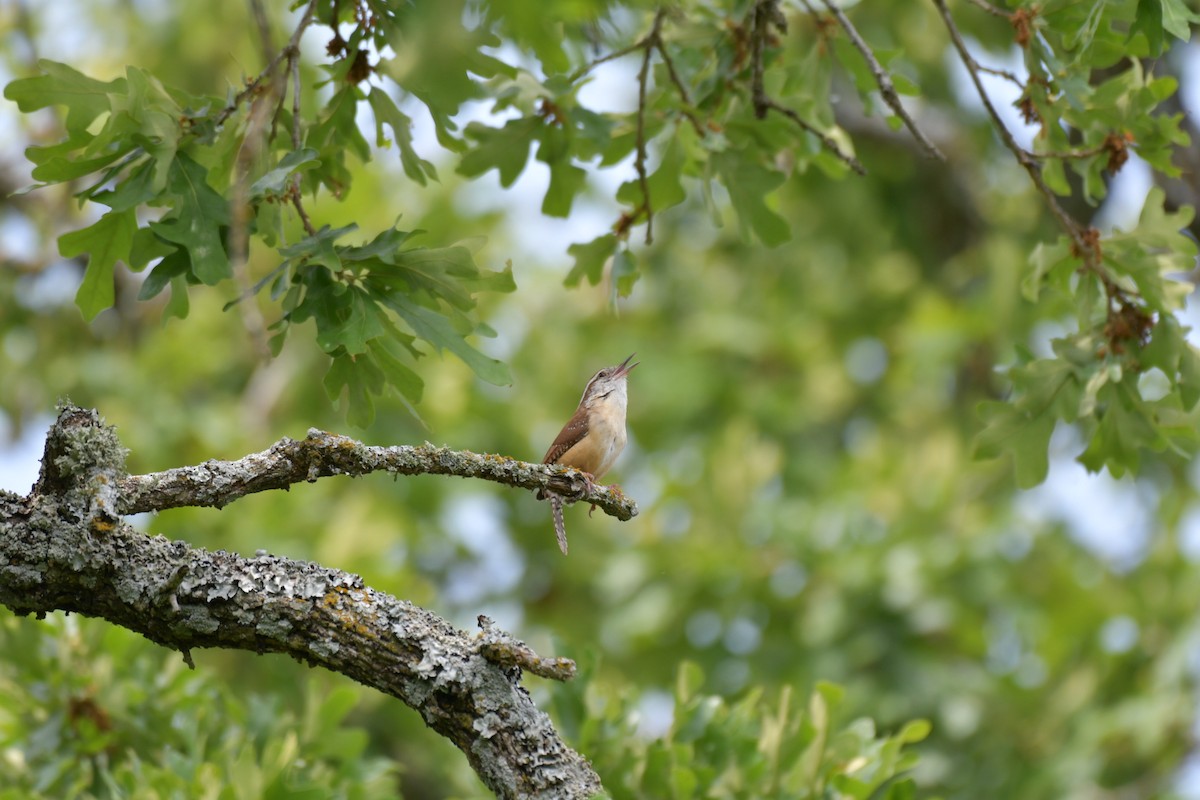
560 527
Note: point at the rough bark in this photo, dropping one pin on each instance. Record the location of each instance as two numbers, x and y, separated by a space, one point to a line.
64 547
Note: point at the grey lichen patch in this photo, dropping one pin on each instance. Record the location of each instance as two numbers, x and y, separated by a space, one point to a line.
82 467
274 626
197 619
130 588
488 724
87 445
325 649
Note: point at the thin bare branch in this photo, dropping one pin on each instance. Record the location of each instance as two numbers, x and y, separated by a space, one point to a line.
1068 155
884 81
1002 73
684 95
591 65
639 163
995 11
1083 244
253 87
259 11
239 226
765 13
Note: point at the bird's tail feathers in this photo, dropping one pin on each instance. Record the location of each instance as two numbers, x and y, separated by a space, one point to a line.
560 527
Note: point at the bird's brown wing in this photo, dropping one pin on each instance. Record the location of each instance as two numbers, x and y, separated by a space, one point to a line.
571 435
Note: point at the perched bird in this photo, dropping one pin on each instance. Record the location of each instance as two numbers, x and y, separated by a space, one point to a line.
593 437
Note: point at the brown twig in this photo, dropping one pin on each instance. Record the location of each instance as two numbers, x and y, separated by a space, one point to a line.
293 51
239 226
1121 306
763 15
995 11
1067 155
884 81
1074 230
252 87
639 162
591 65
1001 73
684 95
262 24
649 44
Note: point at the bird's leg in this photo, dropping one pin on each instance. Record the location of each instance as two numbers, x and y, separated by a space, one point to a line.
589 484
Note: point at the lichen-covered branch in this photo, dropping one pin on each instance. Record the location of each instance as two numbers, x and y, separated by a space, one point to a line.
60 549
321 454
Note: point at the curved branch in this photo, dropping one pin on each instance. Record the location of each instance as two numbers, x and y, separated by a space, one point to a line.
763 16
216 484
884 81
1074 230
60 551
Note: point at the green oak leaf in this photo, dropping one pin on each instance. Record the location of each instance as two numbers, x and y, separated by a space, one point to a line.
590 258
749 184
386 113
197 220
106 241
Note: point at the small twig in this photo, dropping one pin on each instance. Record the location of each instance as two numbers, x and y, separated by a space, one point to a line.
506 650
294 64
239 228
991 9
648 44
758 38
269 70
884 81
1085 241
591 65
762 14
251 88
639 163
295 196
1001 73
684 95
1077 233
828 142
1067 155
263 24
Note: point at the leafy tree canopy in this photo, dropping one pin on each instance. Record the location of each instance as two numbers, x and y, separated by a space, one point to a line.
857 248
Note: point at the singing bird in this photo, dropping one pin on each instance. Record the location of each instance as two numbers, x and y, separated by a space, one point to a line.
593 437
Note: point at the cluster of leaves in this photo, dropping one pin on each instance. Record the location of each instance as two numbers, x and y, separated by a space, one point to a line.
176 173
88 710
143 146
750 748
1127 376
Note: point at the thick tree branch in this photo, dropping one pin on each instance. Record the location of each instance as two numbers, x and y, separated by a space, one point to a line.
218 483
61 550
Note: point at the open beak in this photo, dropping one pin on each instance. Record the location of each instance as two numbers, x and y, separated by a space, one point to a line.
624 367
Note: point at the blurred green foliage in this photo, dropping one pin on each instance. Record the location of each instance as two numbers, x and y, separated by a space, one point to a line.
803 425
